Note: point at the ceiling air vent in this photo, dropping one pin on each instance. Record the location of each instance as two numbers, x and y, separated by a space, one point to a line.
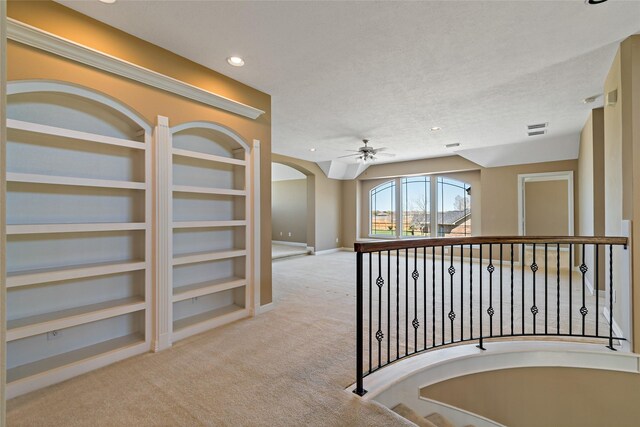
537 132
537 126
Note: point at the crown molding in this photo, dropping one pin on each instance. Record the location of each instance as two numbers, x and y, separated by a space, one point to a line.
43 40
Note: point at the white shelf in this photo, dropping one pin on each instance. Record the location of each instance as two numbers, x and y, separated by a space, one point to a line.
32 277
205 288
101 349
43 323
209 157
77 182
204 321
207 256
209 224
72 134
206 190
16 229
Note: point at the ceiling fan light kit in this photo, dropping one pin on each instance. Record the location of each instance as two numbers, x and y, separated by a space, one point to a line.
368 154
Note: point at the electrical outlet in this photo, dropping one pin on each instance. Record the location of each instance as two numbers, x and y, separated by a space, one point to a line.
289 234
281 233
53 335
336 240
193 300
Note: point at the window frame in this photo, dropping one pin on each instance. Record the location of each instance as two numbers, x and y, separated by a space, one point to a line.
399 212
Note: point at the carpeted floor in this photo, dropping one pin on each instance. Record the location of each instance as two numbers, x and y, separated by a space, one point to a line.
287 367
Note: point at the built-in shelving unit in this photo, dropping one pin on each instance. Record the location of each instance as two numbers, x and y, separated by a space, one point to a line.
207 261
78 234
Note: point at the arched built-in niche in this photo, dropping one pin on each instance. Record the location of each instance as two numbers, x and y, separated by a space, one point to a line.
203 230
78 233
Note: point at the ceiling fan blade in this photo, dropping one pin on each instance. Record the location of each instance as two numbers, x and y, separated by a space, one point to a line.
348 155
381 149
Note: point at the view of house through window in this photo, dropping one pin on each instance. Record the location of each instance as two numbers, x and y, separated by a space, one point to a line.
448 214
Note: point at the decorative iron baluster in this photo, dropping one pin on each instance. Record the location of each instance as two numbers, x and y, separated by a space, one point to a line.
512 300
546 282
534 308
461 293
442 289
597 313
415 323
570 288
490 310
433 296
406 303
611 298
360 391
397 303
380 284
389 306
471 291
424 294
501 303
480 344
522 263
452 271
583 309
558 290
370 314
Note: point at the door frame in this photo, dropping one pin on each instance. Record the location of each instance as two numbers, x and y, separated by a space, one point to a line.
545 176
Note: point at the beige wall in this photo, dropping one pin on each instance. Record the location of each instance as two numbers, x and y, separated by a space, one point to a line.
28 63
324 199
534 397
500 194
546 208
622 163
3 135
591 189
289 210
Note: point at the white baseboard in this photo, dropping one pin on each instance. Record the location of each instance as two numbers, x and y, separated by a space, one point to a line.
327 251
282 242
346 249
264 308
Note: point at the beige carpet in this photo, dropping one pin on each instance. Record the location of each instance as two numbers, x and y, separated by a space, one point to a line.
287 367
279 251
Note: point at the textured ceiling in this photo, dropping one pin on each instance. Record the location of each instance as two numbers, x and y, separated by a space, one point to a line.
389 71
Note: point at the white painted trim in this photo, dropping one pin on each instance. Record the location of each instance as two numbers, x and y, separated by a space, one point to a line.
213 126
327 251
31 86
257 231
35 37
265 308
347 249
545 176
401 381
282 242
163 236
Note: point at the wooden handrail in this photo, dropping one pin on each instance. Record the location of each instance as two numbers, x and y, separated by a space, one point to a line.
365 247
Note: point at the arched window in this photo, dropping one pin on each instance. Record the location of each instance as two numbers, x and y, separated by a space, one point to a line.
383 209
454 208
410 207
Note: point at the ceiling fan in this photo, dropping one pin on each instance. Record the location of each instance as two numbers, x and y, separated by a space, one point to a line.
368 154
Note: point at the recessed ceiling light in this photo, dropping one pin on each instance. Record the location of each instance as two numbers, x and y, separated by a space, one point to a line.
108 1
455 144
436 128
236 61
312 149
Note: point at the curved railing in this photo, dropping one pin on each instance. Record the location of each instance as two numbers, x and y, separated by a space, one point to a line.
420 294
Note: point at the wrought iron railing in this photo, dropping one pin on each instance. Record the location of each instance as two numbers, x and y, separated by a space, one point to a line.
419 294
